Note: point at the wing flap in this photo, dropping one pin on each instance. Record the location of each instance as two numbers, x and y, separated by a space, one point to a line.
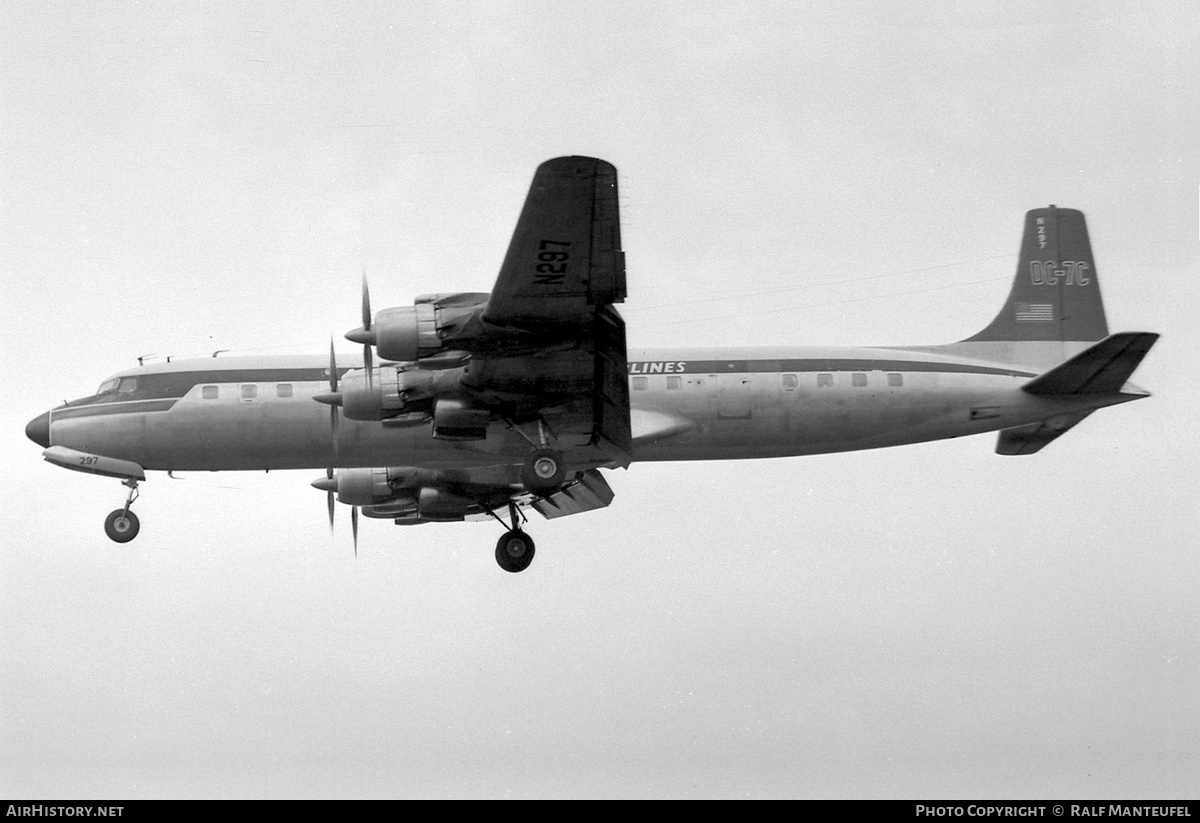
611 429
591 492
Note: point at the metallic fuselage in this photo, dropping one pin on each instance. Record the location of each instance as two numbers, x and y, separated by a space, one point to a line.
241 413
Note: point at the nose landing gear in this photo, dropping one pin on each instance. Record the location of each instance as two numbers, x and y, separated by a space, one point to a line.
122 525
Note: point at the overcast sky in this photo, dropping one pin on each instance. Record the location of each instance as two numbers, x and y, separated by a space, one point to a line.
932 620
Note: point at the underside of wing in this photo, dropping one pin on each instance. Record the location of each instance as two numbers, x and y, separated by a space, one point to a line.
562 274
543 353
565 257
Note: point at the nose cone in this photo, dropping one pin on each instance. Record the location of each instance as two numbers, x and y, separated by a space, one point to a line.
38 430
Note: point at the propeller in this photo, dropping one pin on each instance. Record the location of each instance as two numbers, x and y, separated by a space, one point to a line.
335 396
328 484
365 334
330 490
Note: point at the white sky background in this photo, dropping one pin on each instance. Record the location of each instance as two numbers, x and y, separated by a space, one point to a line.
933 620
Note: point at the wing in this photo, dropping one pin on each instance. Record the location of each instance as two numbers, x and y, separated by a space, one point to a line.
562 274
565 257
411 496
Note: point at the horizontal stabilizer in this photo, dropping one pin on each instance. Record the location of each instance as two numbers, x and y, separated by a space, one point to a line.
1100 369
590 493
1029 439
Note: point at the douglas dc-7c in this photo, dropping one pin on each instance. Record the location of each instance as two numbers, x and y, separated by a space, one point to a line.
479 405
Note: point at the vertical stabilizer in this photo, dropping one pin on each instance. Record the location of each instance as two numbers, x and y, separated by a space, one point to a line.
1056 293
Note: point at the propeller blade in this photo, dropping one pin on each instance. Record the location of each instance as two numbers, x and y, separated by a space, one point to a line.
368 338
366 303
333 410
354 528
329 497
333 375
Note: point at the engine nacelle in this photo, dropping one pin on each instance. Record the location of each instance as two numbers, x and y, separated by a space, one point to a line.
363 487
407 333
423 505
442 506
394 489
390 392
455 420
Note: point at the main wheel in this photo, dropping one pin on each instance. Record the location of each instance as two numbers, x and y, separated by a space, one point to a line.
543 472
514 551
121 526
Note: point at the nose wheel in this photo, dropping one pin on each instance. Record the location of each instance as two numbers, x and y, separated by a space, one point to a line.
122 525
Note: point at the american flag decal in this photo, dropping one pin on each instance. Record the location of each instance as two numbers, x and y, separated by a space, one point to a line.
1035 312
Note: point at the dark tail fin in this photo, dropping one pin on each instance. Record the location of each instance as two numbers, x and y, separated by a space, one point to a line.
1056 293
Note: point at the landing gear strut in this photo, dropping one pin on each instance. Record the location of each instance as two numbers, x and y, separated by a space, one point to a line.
514 551
122 525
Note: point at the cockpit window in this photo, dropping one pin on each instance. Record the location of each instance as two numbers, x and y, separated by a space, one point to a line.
128 385
107 386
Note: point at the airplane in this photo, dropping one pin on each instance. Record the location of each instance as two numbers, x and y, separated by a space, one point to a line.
485 405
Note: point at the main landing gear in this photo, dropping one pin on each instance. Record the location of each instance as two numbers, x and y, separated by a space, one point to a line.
544 471
514 551
122 525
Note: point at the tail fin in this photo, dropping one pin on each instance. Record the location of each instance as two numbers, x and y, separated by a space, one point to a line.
1056 293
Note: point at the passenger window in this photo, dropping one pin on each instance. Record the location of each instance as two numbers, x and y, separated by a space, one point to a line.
283 390
895 380
824 381
249 391
674 382
128 385
858 380
790 381
640 383
209 392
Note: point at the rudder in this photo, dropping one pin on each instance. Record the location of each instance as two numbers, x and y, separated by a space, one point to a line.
1056 292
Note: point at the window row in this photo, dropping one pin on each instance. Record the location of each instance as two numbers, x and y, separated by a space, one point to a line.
248 391
788 381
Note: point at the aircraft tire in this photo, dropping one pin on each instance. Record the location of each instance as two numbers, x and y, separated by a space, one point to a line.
121 526
543 471
514 551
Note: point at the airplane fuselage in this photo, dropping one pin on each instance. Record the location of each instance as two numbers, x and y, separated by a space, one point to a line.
255 413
